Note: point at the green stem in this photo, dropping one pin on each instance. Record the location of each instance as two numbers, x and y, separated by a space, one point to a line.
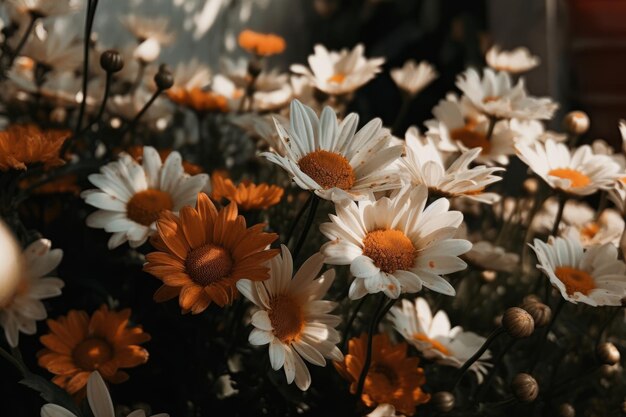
497 332
307 226
544 338
346 331
11 359
368 354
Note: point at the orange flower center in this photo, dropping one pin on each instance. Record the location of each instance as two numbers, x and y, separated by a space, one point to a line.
91 353
590 230
577 178
287 318
390 250
470 138
384 379
489 99
145 206
434 343
208 264
328 169
575 280
337 78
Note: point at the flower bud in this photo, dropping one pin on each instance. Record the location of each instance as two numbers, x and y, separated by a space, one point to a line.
164 78
531 185
111 61
443 401
576 122
609 371
541 313
11 264
531 298
608 353
489 275
566 410
518 323
525 388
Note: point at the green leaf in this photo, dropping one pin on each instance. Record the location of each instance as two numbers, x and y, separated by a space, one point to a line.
50 392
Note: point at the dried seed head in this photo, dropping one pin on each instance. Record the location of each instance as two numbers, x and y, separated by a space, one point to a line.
525 388
576 122
541 313
111 61
443 401
608 353
164 78
518 323
566 410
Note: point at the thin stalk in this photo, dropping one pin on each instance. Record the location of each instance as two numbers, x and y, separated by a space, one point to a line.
22 43
133 123
368 354
404 109
91 13
492 126
307 226
105 98
549 327
346 331
296 219
497 332
11 359
602 204
559 214
492 373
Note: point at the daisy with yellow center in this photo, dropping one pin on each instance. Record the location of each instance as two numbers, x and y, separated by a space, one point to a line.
23 145
78 344
495 96
131 196
515 61
292 317
261 44
22 308
247 195
579 173
203 254
393 377
594 276
396 245
333 159
459 127
436 339
341 72
424 164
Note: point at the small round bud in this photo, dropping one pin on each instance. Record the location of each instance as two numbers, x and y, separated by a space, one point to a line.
518 323
531 185
164 78
608 353
531 298
609 371
111 61
567 410
576 122
541 313
443 401
525 388
489 275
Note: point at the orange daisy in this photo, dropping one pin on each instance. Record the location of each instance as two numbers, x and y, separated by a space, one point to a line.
136 152
262 44
247 195
203 253
78 344
22 145
199 100
393 378
65 184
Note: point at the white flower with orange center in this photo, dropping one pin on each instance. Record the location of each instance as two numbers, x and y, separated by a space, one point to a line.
516 61
495 96
20 311
57 46
458 127
131 196
396 245
333 159
579 173
292 317
341 72
594 276
424 164
413 77
436 339
44 8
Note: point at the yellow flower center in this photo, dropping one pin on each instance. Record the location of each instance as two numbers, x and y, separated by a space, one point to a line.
577 178
287 318
91 353
575 280
208 264
391 250
470 138
145 206
590 230
328 169
434 344
337 78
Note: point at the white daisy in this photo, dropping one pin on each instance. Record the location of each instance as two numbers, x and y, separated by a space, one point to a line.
516 61
131 196
190 75
395 245
424 164
436 339
579 173
21 311
342 72
57 46
44 8
531 131
495 96
271 90
593 276
149 27
384 410
99 400
617 195
489 256
413 77
292 317
333 159
459 127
